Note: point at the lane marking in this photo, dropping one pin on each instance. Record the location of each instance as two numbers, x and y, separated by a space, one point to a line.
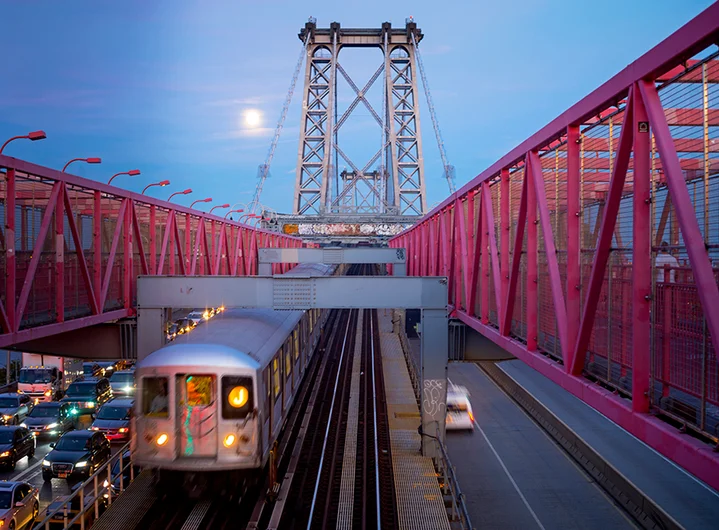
509 476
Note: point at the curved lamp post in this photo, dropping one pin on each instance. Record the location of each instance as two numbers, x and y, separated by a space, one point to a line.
208 199
218 206
35 135
183 192
228 213
132 173
91 160
161 184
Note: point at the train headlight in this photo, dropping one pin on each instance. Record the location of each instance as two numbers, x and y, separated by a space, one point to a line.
229 440
162 439
238 397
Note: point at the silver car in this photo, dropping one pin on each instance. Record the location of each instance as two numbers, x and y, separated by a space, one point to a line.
14 408
19 504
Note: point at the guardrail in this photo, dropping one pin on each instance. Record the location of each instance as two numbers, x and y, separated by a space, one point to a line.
102 493
448 479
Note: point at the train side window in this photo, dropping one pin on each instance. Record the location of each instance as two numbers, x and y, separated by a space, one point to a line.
288 359
268 383
237 397
276 376
296 343
154 397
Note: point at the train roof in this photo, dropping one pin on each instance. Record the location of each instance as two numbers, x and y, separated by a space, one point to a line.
236 337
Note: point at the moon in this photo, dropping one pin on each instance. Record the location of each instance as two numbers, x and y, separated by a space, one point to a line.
252 118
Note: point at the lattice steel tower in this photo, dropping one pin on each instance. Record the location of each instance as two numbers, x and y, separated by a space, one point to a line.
390 183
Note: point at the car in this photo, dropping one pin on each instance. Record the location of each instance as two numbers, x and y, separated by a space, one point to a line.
113 419
19 504
16 442
14 407
123 383
91 369
108 367
49 419
73 509
185 325
87 396
172 331
76 454
198 316
459 409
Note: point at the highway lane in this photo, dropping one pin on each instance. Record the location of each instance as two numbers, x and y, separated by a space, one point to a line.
30 470
513 475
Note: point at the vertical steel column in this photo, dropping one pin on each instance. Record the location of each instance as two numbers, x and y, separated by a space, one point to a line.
10 261
188 229
532 258
641 260
60 256
434 345
504 216
419 179
171 248
150 331
484 249
574 298
127 271
325 196
97 243
153 245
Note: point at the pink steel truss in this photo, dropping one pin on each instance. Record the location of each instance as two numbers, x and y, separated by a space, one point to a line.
591 250
71 249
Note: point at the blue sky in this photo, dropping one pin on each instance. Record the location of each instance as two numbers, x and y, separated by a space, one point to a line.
162 85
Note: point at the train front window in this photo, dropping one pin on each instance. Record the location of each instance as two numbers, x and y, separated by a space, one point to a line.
154 397
237 397
199 390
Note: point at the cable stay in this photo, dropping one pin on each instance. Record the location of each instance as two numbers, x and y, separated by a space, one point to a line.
448 168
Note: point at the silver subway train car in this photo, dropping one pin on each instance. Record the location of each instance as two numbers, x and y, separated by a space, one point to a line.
211 404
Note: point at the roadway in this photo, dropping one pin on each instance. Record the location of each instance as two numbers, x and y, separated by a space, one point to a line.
30 470
514 475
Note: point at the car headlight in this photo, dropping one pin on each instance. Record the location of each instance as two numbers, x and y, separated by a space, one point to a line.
46 463
81 464
91 404
4 454
122 429
23 425
48 392
6 417
51 426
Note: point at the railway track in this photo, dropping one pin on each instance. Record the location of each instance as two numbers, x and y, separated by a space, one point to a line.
334 465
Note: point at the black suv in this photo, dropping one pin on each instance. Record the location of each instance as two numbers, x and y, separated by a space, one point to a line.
15 443
86 396
76 454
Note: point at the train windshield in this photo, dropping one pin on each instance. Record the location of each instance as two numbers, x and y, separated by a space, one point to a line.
154 397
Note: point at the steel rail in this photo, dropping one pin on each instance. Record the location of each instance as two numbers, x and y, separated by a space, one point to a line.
374 414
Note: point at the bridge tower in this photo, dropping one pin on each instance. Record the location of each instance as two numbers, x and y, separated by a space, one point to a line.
386 190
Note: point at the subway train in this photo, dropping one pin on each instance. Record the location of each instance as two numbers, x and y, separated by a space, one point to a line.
210 405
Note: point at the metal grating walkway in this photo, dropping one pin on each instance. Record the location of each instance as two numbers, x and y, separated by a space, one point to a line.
420 504
129 508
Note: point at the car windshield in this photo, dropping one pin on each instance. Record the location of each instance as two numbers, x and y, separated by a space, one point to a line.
34 376
89 369
195 314
456 407
67 443
113 413
81 389
5 499
6 437
45 411
122 378
9 402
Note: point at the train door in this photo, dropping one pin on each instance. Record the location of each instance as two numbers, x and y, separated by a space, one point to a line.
277 391
197 415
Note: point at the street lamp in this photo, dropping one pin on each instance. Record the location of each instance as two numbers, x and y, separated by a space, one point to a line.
35 135
161 183
92 160
184 192
208 199
218 206
228 213
132 173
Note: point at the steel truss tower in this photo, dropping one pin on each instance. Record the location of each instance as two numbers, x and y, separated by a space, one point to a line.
392 182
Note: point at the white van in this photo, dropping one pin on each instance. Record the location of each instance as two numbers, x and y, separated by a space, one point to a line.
459 409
